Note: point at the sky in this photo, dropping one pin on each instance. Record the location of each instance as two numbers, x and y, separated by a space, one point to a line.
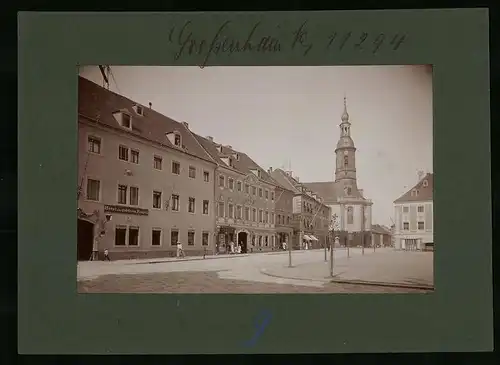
288 117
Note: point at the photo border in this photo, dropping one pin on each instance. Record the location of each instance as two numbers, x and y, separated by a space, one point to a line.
53 318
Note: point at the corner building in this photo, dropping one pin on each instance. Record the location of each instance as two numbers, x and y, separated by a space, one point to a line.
147 172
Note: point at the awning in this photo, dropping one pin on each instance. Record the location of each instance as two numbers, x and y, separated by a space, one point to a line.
306 237
313 238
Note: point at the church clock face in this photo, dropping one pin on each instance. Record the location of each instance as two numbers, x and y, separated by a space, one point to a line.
346 153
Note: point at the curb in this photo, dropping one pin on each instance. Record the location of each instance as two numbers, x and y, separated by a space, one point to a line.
379 283
325 280
192 259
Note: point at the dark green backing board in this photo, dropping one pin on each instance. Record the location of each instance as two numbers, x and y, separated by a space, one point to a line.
53 318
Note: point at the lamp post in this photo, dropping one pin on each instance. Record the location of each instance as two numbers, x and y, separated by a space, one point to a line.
289 245
362 229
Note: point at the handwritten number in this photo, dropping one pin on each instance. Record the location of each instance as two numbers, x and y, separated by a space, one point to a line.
361 40
397 41
378 42
332 39
260 326
344 40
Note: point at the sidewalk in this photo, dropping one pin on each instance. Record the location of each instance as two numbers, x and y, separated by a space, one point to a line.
393 268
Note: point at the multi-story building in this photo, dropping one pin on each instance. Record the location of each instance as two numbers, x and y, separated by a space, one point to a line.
343 196
244 199
146 173
381 236
311 215
284 220
413 226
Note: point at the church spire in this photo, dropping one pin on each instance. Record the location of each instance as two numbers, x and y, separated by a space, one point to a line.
345 115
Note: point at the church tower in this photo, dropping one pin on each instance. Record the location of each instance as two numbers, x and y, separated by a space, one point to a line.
345 169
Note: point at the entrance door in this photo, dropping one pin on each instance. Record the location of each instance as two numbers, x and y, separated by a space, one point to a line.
243 241
85 236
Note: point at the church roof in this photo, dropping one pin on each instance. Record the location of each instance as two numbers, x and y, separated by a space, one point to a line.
377 228
422 191
328 190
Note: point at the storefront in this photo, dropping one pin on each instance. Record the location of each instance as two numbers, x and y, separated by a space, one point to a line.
225 235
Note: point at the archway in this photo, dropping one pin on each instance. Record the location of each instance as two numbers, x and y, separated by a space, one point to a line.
243 241
85 237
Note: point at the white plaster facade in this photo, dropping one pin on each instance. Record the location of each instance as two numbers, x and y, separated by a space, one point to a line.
414 224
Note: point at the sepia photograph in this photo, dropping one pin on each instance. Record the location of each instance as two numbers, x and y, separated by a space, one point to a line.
255 179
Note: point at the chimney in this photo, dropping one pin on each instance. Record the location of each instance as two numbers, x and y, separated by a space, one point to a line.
186 124
297 178
210 138
229 146
270 170
150 105
420 175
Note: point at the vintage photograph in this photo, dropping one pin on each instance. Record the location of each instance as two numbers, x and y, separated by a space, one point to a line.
255 179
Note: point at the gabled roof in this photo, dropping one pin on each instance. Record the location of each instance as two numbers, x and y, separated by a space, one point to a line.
287 181
243 164
425 193
99 104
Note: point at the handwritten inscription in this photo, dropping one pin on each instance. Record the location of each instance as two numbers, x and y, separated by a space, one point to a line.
260 325
256 40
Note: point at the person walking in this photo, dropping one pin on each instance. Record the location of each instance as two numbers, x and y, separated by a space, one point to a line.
106 255
180 251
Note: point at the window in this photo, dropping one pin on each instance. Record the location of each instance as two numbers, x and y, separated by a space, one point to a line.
133 236
238 186
261 216
247 188
139 110
120 236
191 205
272 195
247 213
254 190
126 121
405 209
278 221
157 162
349 190
420 209
266 218
266 194
205 206
93 189
260 192
266 240
230 209
425 183
221 207
288 220
191 238
177 139
175 202
134 195
420 226
406 226
176 168
134 154
157 199
346 161
238 212
156 237
204 239
414 192
206 176
122 194
230 183
94 145
174 237
272 218
192 172
123 153
221 180
350 217
254 214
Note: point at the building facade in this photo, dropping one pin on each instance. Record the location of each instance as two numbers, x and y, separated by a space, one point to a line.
414 223
310 215
381 236
146 174
244 200
343 196
284 217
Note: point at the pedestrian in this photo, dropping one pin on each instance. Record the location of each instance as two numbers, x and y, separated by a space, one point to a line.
180 251
106 255
231 246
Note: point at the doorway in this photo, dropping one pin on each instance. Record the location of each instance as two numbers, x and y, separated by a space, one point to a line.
85 237
242 239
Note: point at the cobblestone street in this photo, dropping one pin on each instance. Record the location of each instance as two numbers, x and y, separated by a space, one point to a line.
209 282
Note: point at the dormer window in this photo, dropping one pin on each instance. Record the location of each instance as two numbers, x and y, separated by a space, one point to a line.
219 148
139 109
414 192
425 184
237 156
177 139
126 121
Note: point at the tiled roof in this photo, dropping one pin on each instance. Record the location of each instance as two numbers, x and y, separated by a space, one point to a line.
328 190
99 104
290 183
243 164
377 228
425 193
